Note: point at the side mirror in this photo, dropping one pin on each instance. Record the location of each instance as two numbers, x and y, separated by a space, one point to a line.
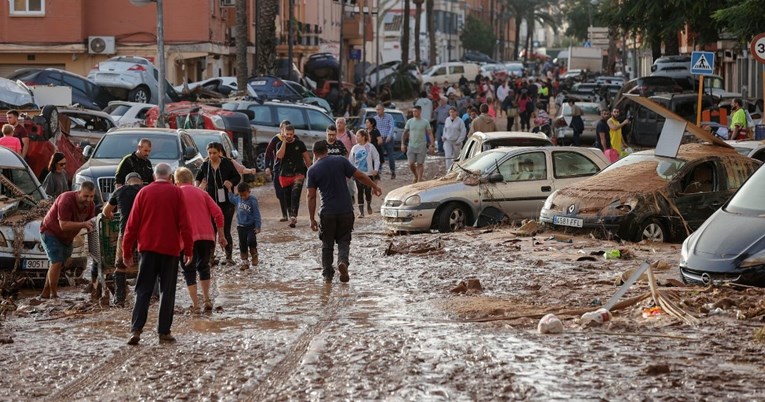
249 113
87 152
496 178
234 154
189 153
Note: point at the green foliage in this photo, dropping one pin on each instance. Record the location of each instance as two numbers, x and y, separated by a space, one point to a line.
478 36
402 87
741 18
579 14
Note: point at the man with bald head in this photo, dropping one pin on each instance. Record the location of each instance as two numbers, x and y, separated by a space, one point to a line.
159 224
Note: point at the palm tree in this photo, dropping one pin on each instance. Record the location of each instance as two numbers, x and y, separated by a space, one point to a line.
241 43
417 27
431 22
266 36
405 35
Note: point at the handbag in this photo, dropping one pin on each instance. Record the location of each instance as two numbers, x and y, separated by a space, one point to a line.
512 112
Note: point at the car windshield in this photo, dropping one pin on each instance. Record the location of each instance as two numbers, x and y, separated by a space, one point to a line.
748 199
117 146
666 168
483 162
24 181
515 142
202 140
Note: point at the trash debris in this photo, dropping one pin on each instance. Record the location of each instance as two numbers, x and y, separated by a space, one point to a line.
652 312
561 238
550 324
759 335
656 369
474 285
596 317
460 288
414 249
614 254
587 258
529 228
596 302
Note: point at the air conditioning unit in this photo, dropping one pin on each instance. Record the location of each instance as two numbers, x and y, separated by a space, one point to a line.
227 3
101 45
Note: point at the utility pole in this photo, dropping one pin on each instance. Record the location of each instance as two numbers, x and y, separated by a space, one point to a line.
256 60
161 59
380 27
340 52
290 37
363 9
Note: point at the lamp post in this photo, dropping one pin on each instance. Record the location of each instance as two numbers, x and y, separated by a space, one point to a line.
160 57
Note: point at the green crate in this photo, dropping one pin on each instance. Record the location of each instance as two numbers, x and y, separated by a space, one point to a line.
108 233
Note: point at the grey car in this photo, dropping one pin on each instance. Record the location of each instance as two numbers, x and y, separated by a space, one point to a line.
174 147
131 78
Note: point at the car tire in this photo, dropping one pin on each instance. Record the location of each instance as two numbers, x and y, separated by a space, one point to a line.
140 94
451 218
652 230
260 158
52 126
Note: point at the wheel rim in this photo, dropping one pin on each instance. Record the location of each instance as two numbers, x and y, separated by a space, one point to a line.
141 96
260 161
653 232
456 219
53 122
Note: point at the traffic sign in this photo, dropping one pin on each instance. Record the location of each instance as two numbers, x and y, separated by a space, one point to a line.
702 63
757 47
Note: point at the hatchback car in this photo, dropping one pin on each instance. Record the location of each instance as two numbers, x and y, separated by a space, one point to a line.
131 78
496 185
649 197
752 149
21 194
730 245
647 86
84 91
174 147
479 142
86 127
275 88
128 114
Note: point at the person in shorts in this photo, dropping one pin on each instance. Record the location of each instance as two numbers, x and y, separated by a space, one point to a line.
417 140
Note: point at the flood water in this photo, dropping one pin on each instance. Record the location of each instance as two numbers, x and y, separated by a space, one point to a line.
395 332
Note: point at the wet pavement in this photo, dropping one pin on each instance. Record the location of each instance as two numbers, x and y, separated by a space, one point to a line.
395 332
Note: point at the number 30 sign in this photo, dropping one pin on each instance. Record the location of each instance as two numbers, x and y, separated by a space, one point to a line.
757 48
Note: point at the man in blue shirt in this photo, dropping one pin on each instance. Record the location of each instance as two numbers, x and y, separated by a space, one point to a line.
386 125
328 174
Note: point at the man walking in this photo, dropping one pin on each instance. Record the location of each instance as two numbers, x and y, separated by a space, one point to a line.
386 125
138 162
329 174
159 223
18 131
454 136
71 212
414 144
442 113
336 148
483 123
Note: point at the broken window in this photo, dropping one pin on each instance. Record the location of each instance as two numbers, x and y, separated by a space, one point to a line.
27 7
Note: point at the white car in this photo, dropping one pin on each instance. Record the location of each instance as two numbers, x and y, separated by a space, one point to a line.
128 114
752 149
131 78
222 85
18 196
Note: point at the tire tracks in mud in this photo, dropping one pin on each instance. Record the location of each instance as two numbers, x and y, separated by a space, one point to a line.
283 370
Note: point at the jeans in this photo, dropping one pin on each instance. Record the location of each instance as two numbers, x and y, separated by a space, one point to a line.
388 147
152 266
525 120
334 228
510 123
228 215
279 193
363 191
247 238
292 196
439 137
203 249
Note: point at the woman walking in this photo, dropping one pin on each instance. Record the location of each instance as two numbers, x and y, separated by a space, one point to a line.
375 138
524 109
367 160
56 182
213 177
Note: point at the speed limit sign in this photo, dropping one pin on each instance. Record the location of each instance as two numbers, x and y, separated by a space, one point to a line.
757 48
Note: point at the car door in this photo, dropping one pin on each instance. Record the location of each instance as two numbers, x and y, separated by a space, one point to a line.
569 167
697 199
525 186
455 72
318 124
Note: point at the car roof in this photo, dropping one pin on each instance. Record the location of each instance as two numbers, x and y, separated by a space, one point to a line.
506 134
280 103
201 131
145 130
10 159
751 144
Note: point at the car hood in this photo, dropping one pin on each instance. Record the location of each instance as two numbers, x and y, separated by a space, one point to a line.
724 241
452 182
31 228
13 94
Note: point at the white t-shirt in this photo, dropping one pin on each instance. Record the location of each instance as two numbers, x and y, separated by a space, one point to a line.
427 108
502 93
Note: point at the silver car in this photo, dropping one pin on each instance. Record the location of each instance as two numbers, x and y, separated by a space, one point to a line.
494 186
131 78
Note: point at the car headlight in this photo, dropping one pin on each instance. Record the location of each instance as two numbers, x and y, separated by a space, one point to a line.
753 261
549 201
3 242
412 201
684 251
79 179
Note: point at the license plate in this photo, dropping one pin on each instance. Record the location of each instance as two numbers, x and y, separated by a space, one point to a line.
36 264
566 221
258 83
390 213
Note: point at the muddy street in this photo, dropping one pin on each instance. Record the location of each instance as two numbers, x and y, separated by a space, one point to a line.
402 329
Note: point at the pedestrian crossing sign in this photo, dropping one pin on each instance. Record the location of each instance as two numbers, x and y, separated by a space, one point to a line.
702 63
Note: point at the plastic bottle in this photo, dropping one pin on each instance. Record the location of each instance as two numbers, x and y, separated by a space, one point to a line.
596 317
614 254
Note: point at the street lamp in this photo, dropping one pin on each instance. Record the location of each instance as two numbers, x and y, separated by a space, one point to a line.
160 57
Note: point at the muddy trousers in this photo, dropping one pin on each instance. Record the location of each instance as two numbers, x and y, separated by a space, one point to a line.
364 191
292 197
334 228
390 155
228 210
248 239
153 266
280 194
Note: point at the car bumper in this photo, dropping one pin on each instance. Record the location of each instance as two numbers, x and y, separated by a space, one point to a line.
753 276
114 80
408 220
611 224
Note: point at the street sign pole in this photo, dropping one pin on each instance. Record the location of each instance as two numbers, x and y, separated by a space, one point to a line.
702 64
757 49
698 102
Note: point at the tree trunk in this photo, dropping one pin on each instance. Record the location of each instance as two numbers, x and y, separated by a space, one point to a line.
405 35
671 44
267 36
417 28
529 35
655 47
241 43
517 44
431 27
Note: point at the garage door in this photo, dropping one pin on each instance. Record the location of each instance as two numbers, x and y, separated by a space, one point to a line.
8 69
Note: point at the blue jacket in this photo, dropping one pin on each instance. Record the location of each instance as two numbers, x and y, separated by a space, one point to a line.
247 210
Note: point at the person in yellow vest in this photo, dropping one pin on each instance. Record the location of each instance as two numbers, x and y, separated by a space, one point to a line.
615 131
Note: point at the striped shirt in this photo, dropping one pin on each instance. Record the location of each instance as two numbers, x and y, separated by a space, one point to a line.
385 125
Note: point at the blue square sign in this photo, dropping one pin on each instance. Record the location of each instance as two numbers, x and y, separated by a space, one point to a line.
702 63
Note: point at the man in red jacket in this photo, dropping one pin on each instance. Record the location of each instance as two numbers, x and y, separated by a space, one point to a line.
159 224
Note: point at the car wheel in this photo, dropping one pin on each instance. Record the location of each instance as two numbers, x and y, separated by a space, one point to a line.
451 218
140 94
260 158
50 113
652 230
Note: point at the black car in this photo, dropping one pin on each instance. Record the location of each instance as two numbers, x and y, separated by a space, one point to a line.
476 57
730 245
84 91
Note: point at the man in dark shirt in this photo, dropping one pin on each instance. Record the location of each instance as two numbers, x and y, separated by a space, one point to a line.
335 147
294 158
18 131
602 131
122 199
329 175
138 162
70 213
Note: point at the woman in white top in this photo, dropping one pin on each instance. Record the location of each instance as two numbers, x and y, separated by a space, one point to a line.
454 136
365 158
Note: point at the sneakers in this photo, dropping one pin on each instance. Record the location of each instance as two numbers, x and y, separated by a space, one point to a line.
369 209
343 268
166 338
135 337
293 222
244 266
208 305
361 215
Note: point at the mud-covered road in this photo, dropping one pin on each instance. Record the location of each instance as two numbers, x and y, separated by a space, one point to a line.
396 332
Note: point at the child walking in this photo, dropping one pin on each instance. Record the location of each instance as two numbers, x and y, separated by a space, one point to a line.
247 223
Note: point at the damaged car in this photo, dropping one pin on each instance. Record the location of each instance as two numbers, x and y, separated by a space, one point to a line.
650 197
730 245
497 185
23 205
